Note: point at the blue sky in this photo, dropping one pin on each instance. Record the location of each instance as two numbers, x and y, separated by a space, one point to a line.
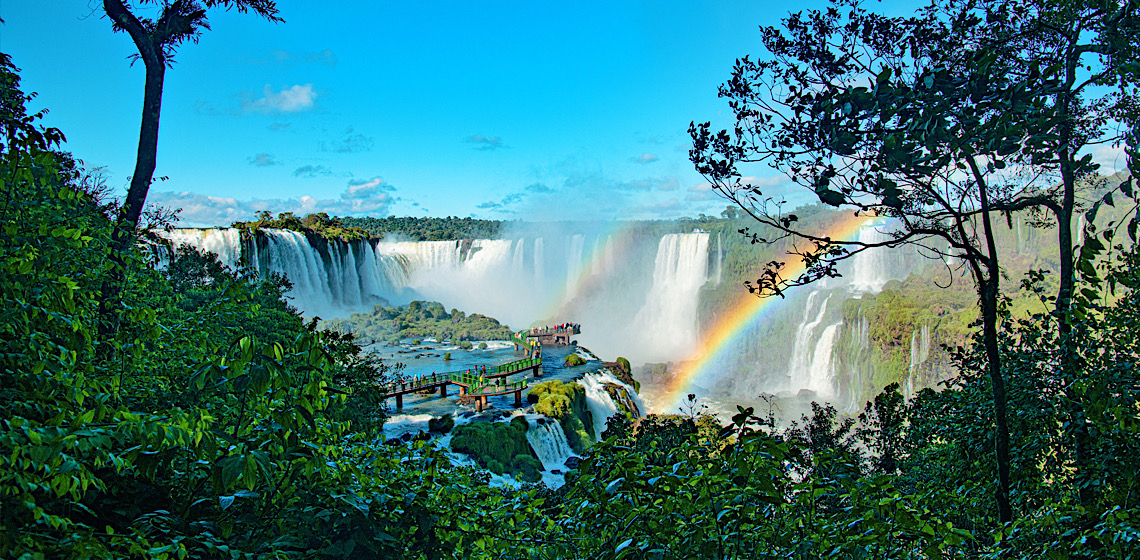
501 110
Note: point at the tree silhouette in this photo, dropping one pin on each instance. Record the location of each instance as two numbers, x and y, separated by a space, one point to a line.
157 40
945 121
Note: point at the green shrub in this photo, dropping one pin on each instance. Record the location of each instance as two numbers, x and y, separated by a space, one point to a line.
465 345
623 364
565 402
441 425
527 468
499 447
447 355
482 345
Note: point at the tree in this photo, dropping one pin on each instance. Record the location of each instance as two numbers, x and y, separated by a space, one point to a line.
941 121
157 40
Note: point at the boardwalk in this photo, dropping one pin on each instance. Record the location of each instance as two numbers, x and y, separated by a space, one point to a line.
471 382
484 381
557 335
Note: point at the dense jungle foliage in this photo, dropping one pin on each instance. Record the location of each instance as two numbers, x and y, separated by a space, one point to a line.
204 419
420 319
426 229
320 224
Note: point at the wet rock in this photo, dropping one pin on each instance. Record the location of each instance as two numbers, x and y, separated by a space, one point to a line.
572 462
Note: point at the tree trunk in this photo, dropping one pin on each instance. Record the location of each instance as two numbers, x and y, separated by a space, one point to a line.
146 159
988 292
123 235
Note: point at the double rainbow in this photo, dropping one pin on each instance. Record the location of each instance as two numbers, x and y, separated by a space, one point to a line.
746 311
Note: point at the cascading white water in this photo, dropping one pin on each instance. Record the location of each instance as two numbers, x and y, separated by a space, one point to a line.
635 299
601 404
719 260
919 353
573 267
548 441
820 372
224 242
517 258
807 349
669 316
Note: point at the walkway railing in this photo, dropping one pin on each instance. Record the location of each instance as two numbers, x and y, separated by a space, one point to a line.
476 381
519 365
499 388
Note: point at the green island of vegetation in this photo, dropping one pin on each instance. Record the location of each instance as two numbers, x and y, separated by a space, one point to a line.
500 447
319 224
565 402
418 320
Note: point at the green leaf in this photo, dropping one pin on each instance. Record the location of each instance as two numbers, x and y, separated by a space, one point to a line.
613 486
623 545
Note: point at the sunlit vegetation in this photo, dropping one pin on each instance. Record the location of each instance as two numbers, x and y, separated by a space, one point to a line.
421 319
187 411
319 224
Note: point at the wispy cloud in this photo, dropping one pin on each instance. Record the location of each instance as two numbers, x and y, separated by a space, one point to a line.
352 142
311 171
537 188
263 160
293 99
645 158
360 197
650 184
701 192
486 143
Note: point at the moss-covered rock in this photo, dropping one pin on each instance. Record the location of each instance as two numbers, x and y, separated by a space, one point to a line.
501 448
573 360
441 425
567 403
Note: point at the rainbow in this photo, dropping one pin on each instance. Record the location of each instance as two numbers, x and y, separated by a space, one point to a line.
747 311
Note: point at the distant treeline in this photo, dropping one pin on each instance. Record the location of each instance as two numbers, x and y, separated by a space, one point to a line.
426 229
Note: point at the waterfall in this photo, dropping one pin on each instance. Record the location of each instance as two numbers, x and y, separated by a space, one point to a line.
668 319
517 257
819 372
719 260
601 404
573 267
539 262
289 254
548 441
1020 238
645 309
810 354
919 353
224 242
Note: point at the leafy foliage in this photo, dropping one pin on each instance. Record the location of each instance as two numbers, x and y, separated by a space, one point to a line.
421 319
319 224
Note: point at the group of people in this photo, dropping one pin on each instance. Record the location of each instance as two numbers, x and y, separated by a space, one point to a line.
558 327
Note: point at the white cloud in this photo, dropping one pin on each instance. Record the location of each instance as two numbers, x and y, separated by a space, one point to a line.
1111 158
293 99
703 191
645 158
360 197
